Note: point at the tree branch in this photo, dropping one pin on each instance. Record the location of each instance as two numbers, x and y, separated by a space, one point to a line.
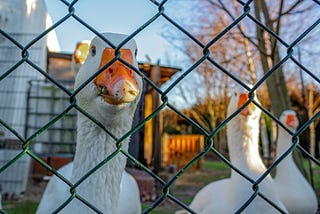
290 9
279 18
222 6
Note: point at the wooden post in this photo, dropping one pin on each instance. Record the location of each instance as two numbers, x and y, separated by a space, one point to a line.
165 149
156 126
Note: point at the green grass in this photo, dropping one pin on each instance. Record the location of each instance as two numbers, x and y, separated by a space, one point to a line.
30 207
316 175
156 210
26 207
214 165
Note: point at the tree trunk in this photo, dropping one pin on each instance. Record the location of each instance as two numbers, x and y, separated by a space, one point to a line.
269 54
264 138
156 128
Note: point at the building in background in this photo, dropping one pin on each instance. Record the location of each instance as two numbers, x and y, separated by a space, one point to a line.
22 21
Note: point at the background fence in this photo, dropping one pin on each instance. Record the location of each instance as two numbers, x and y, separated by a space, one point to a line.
179 149
44 102
45 124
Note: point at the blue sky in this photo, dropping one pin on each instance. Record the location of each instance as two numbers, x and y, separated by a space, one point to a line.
122 16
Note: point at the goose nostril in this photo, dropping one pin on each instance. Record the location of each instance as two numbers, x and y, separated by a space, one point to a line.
133 93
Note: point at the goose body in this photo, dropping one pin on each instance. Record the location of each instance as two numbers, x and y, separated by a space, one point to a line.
228 195
57 192
293 189
111 98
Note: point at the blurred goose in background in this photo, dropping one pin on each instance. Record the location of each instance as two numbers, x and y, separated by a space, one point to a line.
79 55
293 189
111 98
228 195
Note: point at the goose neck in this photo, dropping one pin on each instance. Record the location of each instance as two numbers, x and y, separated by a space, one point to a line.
94 145
283 143
243 146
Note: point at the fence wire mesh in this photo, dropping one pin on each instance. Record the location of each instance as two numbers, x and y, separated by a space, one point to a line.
25 143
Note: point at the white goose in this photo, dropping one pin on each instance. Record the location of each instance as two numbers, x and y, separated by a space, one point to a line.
111 98
293 189
129 193
228 195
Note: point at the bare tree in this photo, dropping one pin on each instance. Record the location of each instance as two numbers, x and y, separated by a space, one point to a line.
273 15
232 52
247 51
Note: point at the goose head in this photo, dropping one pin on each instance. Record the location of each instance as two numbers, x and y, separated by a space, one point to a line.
289 119
114 90
238 98
79 55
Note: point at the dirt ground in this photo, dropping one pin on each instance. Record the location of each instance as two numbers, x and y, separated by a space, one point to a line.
188 185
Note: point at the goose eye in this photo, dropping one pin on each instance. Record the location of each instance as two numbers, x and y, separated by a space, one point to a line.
93 50
136 52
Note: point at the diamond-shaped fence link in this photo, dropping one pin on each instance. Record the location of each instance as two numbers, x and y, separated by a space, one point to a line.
26 143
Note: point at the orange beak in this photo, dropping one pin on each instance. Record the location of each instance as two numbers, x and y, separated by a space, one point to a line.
117 83
243 98
81 52
291 120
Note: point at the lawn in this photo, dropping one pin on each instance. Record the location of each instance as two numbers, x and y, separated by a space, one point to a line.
184 189
20 207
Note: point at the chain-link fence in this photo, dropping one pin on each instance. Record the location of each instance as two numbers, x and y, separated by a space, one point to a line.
25 144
